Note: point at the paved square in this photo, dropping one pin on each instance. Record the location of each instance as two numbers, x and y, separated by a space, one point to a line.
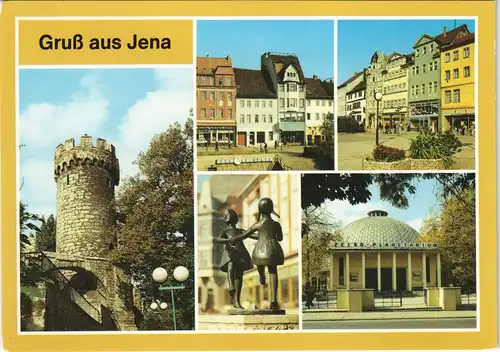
354 147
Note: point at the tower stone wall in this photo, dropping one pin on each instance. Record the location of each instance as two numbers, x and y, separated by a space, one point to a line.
86 176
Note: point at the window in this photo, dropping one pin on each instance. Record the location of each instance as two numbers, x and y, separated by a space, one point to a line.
323 103
264 118
455 73
249 118
229 81
424 67
211 81
416 70
270 135
229 97
221 97
282 102
301 88
466 71
323 116
435 86
249 104
212 95
308 116
203 80
317 102
330 103
203 95
242 118
447 75
308 103
413 70
292 87
456 95
220 113
412 90
270 103
466 52
270 118
242 103
417 52
435 65
416 89
256 103
431 47
230 114
281 88
317 116
447 96
203 113
212 113
424 50
447 57
256 118
430 66
455 55
263 103
423 88
221 81
301 103
430 87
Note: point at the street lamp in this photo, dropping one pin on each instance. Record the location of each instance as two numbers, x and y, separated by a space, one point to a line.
378 98
160 275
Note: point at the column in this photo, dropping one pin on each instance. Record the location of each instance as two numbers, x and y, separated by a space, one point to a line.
346 275
379 275
363 282
394 276
409 275
424 271
439 269
332 267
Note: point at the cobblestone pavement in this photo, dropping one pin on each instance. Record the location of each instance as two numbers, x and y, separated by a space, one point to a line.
453 323
353 148
291 156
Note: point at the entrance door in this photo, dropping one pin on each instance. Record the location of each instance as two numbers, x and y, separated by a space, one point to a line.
401 279
242 138
252 138
371 279
386 279
309 139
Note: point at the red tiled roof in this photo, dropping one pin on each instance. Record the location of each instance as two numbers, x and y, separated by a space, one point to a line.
252 84
350 79
460 41
319 89
207 65
441 39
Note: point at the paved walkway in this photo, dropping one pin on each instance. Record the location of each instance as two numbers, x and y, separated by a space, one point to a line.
393 324
291 156
354 147
333 316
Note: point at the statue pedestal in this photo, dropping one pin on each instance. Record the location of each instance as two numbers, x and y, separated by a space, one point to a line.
249 321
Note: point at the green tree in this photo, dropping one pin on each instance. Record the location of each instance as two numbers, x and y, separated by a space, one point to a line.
323 154
156 226
45 240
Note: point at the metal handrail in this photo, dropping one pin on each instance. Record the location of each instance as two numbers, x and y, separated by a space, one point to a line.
73 294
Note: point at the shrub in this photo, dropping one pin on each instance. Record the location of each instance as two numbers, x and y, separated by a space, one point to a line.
348 124
434 146
383 153
323 155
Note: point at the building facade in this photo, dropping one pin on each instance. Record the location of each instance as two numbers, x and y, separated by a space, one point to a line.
215 100
457 82
342 90
242 193
356 103
256 108
383 254
319 103
395 89
287 79
374 84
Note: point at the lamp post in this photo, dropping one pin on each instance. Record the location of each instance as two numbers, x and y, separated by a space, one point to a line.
378 98
160 275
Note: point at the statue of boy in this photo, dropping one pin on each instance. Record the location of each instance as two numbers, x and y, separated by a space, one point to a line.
235 258
267 251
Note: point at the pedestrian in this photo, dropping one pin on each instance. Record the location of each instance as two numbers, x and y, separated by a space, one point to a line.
206 145
276 144
309 291
229 144
216 146
265 147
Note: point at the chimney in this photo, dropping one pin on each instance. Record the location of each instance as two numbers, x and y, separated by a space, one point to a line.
315 77
444 31
228 58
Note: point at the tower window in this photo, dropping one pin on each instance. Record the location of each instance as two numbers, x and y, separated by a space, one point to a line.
67 179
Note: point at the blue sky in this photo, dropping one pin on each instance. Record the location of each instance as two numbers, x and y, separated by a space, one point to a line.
359 39
245 41
124 106
421 205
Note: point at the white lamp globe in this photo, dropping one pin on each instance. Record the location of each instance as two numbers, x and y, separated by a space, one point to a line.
181 273
378 96
163 305
154 306
160 275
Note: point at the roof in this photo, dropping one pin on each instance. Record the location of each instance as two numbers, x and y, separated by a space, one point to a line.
286 60
209 65
360 86
379 228
356 75
460 41
319 89
253 84
441 39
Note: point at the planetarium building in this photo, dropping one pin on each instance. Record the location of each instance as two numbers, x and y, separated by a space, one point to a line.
383 254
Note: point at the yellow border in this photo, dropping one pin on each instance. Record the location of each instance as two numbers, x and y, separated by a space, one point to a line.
486 338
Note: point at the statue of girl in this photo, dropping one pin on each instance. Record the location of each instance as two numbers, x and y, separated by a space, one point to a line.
235 258
267 251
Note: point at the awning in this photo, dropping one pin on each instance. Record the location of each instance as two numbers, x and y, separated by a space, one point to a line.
422 117
461 116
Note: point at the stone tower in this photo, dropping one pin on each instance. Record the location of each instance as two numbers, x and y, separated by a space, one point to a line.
86 176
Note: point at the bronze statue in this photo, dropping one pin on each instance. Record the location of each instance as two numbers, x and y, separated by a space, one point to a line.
235 258
267 251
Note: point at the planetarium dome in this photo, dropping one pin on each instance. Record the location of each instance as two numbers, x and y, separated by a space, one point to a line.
379 228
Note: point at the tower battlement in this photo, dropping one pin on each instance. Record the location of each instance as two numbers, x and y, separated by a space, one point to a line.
102 154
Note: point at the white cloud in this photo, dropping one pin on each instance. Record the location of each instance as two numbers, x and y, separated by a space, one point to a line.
347 213
38 182
416 223
154 114
46 125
